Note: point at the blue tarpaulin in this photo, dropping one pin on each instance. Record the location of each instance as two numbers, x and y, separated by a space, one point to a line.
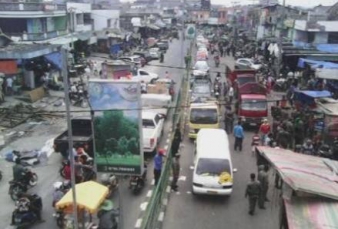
316 94
316 64
330 48
55 58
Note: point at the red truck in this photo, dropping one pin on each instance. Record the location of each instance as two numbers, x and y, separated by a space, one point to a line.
240 77
252 104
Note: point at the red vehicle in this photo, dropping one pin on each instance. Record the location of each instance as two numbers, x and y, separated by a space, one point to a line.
240 77
252 104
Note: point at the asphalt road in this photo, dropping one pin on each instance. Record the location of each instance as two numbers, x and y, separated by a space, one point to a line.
48 174
211 212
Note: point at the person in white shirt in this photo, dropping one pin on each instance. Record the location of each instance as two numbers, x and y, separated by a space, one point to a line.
231 94
9 86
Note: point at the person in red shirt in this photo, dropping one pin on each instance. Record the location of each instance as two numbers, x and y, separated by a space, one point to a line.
264 130
67 171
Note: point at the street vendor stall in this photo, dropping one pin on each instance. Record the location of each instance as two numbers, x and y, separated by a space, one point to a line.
308 98
89 197
309 195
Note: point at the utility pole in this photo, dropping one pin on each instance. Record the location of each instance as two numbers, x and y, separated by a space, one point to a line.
280 42
70 133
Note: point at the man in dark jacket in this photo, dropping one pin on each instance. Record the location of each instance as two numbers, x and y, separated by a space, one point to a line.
176 141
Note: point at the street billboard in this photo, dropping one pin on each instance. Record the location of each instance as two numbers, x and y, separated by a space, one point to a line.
117 126
190 31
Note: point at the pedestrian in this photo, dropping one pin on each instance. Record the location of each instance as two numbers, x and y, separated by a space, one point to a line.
167 76
264 130
176 141
158 162
228 50
239 136
231 94
176 172
264 182
187 60
253 190
221 51
228 120
255 142
224 50
9 86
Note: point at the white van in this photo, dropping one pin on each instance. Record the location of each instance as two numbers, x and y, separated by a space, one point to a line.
213 173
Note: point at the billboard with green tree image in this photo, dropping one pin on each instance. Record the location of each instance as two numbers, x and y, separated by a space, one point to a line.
117 126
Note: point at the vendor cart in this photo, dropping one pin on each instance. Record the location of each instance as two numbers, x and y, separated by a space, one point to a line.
89 197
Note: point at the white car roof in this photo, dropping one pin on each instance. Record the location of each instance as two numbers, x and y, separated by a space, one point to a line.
201 63
216 147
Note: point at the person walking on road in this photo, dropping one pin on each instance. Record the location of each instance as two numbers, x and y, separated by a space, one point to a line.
239 136
253 190
158 162
176 141
264 182
231 94
229 119
176 172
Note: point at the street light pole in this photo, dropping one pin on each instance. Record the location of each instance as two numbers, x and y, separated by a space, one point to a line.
70 133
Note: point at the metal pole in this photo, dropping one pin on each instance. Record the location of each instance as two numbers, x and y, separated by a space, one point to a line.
280 42
70 134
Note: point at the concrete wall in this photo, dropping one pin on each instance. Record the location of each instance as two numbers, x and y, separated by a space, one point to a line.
79 8
101 18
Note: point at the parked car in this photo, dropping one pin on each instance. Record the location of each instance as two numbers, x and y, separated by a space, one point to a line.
143 75
145 54
243 63
201 68
131 59
155 53
201 90
152 129
163 46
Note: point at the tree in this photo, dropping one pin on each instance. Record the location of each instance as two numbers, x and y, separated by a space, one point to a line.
122 145
111 144
133 146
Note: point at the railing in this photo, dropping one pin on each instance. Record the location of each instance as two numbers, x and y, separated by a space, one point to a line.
150 218
37 36
10 6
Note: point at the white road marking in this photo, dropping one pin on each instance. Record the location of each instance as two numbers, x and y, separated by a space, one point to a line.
170 178
168 189
165 202
150 192
168 140
169 135
188 192
143 206
182 178
170 130
178 193
191 167
138 223
161 217
153 182
166 147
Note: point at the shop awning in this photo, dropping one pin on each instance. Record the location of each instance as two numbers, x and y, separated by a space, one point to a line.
26 51
154 27
303 173
89 196
84 36
330 74
311 213
317 64
63 40
316 94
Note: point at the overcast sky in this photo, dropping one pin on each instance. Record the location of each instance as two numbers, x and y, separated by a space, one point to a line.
305 3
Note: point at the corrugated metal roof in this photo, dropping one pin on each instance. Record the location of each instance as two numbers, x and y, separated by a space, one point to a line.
303 172
311 213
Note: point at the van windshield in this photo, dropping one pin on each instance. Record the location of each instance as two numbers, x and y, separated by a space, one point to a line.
254 105
203 116
212 167
243 80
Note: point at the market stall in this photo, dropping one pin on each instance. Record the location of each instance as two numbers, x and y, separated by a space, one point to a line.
89 197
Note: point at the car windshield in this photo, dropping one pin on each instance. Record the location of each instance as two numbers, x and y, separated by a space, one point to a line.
201 65
136 59
255 105
201 90
243 80
148 123
212 167
203 116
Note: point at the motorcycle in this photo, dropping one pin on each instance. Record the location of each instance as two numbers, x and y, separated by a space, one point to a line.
62 168
325 151
136 183
111 182
280 85
23 219
217 61
78 95
17 187
59 217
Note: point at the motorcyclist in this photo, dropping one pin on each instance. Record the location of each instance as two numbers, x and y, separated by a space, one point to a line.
308 147
107 215
217 60
143 87
218 76
59 192
19 172
28 204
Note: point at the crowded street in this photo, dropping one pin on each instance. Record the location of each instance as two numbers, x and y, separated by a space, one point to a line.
193 114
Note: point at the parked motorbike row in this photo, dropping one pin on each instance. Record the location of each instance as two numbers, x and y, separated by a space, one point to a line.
78 94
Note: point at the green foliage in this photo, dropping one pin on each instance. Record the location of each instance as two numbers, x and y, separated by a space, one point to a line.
116 134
